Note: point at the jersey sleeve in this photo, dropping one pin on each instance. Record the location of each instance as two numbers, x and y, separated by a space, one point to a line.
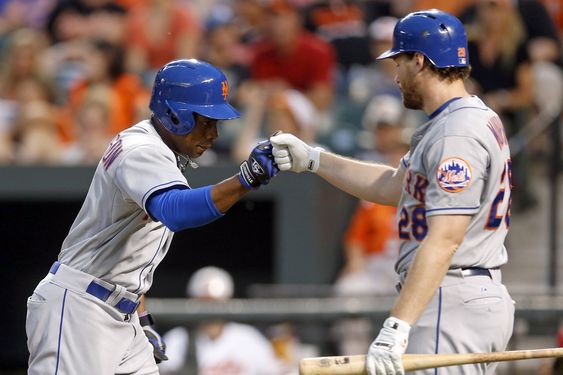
145 170
456 168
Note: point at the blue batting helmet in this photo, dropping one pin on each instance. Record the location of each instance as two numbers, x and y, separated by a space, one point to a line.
437 35
184 87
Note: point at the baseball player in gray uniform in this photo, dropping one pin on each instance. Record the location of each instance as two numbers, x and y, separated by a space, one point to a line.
84 316
452 190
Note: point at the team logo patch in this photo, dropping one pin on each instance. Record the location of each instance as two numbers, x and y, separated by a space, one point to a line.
453 175
461 55
224 89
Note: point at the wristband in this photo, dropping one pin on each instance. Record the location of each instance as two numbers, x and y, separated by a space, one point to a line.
146 320
314 159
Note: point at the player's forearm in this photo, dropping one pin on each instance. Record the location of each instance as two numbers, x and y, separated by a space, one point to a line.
424 277
369 181
226 193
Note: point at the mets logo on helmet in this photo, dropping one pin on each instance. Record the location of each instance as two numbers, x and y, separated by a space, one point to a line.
453 175
225 89
461 55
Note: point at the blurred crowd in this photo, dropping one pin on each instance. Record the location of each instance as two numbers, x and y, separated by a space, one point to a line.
76 72
73 73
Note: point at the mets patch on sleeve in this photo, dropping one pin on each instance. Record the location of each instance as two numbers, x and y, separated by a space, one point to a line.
453 175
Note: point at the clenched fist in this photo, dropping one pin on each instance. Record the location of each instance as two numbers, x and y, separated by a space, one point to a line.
292 154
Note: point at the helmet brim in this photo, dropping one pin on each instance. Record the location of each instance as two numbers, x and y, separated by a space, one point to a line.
223 111
388 54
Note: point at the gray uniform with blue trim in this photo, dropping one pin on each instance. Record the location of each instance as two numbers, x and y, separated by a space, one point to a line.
113 238
89 297
459 164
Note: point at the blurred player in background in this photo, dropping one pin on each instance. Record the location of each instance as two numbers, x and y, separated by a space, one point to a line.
87 315
219 347
452 190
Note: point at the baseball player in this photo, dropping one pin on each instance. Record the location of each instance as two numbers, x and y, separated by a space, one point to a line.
452 191
84 316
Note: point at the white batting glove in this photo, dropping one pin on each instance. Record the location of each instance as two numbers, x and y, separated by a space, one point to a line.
292 154
384 355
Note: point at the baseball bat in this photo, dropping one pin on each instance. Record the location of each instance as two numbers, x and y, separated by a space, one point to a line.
355 364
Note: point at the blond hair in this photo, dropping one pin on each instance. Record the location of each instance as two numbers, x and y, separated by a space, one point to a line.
512 34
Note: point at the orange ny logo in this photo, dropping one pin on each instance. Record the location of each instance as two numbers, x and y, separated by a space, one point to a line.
225 89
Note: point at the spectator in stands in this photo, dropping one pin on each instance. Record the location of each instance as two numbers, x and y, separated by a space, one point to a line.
294 58
341 23
76 19
218 347
16 14
22 60
21 81
266 112
37 134
539 32
92 137
159 31
223 48
501 73
71 25
104 70
251 20
379 77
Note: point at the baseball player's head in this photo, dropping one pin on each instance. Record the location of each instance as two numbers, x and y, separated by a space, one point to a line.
210 283
431 42
188 98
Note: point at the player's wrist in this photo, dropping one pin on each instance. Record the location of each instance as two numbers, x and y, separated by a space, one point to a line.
246 178
314 159
397 324
146 319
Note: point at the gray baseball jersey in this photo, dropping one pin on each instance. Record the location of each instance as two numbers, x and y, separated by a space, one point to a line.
113 238
458 164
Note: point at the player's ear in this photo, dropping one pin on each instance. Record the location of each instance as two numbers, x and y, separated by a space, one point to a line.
419 60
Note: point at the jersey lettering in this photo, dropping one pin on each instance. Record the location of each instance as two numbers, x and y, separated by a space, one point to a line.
413 224
420 188
114 149
496 127
403 225
494 219
408 180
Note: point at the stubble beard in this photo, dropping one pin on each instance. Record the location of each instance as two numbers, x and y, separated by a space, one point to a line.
411 98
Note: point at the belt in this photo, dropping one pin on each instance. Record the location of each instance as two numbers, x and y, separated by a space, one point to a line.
474 271
103 292
465 272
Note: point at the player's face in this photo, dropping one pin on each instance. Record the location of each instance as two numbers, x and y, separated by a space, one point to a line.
406 79
199 139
